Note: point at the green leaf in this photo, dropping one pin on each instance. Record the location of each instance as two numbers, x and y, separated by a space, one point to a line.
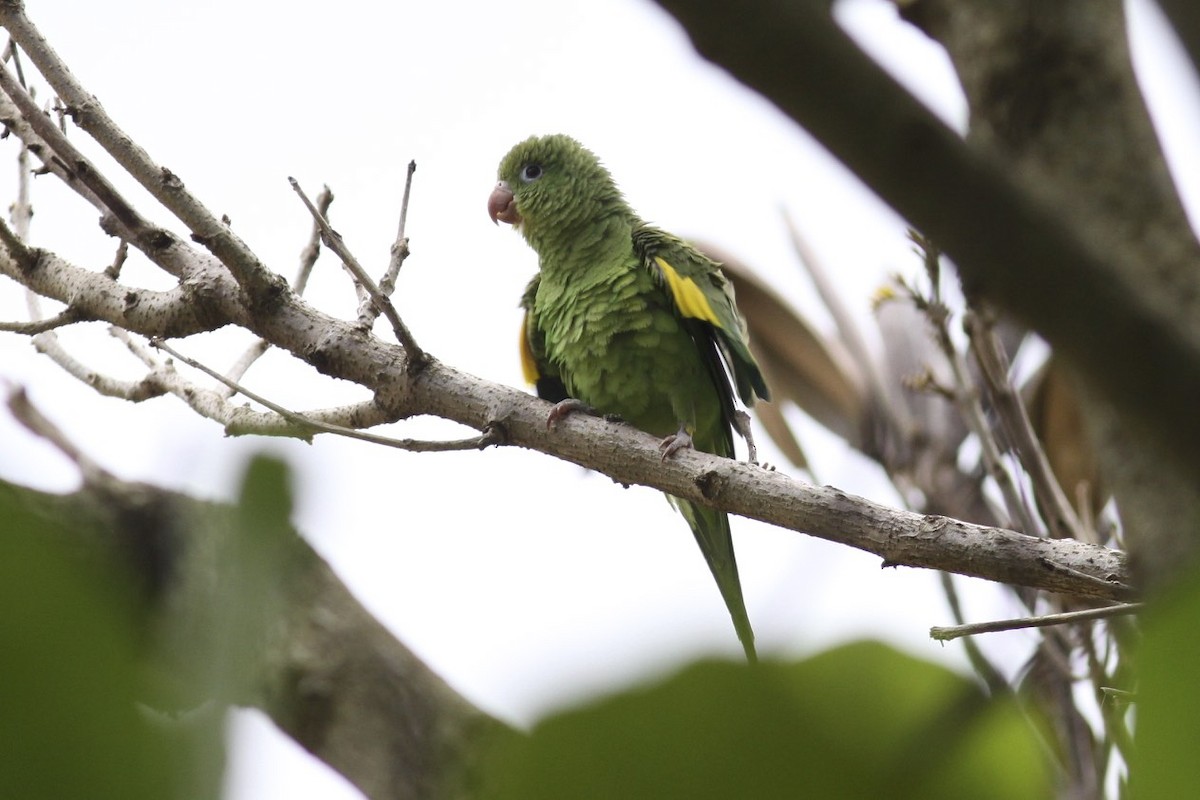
70 724
1165 763
861 720
254 566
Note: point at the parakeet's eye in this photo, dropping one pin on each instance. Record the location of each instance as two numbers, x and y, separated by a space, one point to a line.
531 172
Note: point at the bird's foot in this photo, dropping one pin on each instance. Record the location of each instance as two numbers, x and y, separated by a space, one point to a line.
563 408
677 441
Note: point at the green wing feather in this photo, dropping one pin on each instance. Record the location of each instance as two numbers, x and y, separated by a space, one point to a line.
536 368
702 294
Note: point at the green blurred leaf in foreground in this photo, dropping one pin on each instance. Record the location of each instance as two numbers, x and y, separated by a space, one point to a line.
1167 759
69 721
862 720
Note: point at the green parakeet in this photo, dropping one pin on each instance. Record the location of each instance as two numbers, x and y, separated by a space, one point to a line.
628 320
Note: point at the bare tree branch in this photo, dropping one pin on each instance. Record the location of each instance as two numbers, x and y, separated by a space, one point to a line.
303 426
946 634
993 364
1185 17
308 259
67 317
331 669
346 351
1008 244
400 247
333 240
133 391
260 284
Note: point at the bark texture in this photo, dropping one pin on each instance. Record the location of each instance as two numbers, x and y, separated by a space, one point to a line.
1053 95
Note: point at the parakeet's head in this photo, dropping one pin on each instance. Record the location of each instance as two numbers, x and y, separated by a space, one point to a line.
552 183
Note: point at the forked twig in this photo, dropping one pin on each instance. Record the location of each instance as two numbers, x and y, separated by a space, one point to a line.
490 436
26 413
308 259
333 240
992 361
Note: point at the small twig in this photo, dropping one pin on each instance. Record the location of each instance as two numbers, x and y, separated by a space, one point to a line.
133 391
400 246
931 257
1114 695
308 259
149 240
312 250
947 634
984 668
892 406
12 53
993 364
38 424
240 367
67 316
113 270
1113 717
491 435
254 278
22 209
333 240
82 169
967 398
21 212
208 403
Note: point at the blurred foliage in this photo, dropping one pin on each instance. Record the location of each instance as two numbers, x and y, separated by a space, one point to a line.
83 662
1167 756
70 725
861 720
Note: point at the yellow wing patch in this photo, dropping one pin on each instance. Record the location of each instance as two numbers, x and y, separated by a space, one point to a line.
688 296
529 369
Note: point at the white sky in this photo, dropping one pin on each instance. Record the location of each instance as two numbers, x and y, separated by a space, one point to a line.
526 582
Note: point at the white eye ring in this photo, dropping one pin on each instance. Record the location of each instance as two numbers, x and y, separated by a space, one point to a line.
531 172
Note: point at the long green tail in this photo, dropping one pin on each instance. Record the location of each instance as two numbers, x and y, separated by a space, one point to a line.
711 528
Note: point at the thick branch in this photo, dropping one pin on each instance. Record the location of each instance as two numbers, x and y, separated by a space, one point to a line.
21 116
900 538
1185 16
329 674
206 301
1006 242
343 350
1053 94
260 284
353 695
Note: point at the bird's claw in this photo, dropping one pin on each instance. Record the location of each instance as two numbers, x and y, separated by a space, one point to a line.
563 408
671 445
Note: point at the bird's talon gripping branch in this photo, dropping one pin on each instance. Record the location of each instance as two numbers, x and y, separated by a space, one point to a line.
563 408
682 440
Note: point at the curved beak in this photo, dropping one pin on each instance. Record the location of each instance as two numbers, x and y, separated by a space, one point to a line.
502 206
